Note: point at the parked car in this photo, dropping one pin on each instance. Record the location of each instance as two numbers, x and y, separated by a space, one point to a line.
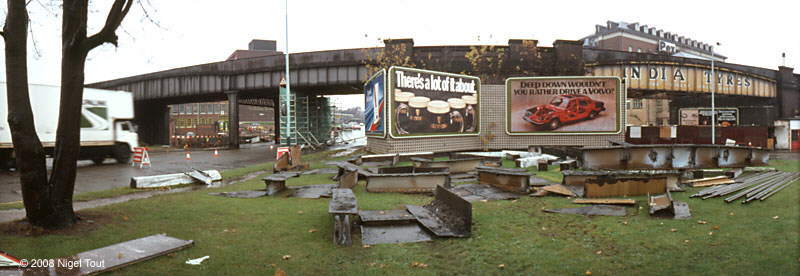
564 109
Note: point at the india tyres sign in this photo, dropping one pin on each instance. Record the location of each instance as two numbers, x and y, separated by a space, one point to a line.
427 103
374 96
563 105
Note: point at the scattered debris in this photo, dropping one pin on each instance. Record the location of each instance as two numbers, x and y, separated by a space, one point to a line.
611 201
290 162
197 261
663 205
475 192
594 210
167 180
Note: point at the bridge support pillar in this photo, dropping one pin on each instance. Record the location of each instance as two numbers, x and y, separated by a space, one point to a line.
233 119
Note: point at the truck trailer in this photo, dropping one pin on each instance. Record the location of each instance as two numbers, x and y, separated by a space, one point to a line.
106 126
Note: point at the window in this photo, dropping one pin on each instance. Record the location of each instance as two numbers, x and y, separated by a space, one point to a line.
636 104
639 50
630 49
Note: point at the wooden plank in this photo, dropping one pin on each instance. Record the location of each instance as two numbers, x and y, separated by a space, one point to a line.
559 189
615 201
705 179
713 182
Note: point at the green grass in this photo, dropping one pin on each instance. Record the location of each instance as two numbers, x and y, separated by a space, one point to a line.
248 236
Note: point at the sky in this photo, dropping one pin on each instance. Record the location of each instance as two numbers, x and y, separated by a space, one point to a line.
160 35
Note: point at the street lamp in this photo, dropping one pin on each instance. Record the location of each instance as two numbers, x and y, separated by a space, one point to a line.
713 107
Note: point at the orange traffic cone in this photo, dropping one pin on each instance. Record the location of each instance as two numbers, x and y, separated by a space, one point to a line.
216 153
188 156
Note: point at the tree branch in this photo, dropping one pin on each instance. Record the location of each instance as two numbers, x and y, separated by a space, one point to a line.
107 35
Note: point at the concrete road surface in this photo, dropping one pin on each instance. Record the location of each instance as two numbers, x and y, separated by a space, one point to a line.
111 174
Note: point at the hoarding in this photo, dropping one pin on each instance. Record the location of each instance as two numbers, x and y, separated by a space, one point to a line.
725 116
374 96
563 105
428 103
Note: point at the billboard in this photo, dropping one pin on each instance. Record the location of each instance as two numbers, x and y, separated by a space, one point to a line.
427 103
702 116
374 97
563 105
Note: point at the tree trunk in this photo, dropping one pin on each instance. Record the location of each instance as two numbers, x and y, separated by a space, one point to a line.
30 156
68 135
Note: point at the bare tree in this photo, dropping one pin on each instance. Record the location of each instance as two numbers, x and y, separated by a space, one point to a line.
48 202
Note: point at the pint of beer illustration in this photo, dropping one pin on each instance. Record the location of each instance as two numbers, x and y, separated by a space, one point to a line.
440 110
469 117
457 109
403 110
418 106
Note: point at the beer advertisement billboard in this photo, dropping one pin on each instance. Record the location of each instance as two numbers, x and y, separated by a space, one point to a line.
374 97
428 103
563 105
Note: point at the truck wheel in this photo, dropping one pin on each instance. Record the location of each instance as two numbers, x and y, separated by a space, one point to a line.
554 124
98 160
122 153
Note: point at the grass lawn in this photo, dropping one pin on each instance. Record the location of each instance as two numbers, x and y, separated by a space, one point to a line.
251 236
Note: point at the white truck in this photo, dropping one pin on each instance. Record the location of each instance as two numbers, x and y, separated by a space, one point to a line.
106 127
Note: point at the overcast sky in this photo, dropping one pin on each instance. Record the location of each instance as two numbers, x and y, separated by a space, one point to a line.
190 32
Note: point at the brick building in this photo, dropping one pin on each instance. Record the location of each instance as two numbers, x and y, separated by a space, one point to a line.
635 37
204 124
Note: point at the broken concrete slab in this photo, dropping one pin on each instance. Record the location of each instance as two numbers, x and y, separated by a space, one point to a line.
112 257
200 176
594 210
276 182
448 215
374 217
477 192
242 194
394 233
312 191
175 179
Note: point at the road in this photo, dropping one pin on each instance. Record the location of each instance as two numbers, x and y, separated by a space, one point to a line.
110 174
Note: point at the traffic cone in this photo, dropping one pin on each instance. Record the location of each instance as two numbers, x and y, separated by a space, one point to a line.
216 153
188 156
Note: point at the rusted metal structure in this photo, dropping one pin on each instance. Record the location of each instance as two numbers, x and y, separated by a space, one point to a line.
510 180
664 206
448 215
598 184
406 179
648 157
